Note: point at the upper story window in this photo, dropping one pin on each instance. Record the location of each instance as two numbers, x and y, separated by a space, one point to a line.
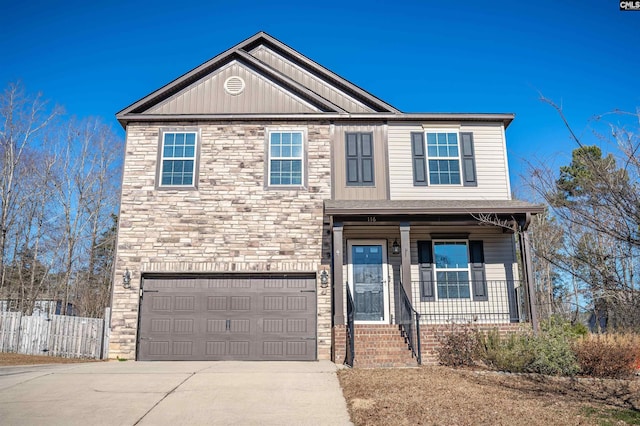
359 152
286 155
447 160
178 159
444 160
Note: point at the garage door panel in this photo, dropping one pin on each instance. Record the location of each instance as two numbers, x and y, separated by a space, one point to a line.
270 318
217 303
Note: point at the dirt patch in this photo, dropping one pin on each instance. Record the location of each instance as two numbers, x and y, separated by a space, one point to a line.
440 395
20 359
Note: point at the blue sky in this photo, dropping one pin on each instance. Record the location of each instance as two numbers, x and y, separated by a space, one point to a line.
95 58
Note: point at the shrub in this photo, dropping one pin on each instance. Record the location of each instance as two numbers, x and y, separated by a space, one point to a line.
458 346
510 353
549 352
608 355
552 349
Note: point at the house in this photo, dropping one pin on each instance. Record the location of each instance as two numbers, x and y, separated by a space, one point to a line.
272 210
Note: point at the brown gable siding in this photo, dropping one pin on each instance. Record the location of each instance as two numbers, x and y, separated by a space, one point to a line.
208 96
309 80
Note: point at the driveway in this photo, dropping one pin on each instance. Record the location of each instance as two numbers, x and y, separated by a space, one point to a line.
173 393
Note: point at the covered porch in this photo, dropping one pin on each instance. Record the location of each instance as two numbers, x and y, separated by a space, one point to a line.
417 264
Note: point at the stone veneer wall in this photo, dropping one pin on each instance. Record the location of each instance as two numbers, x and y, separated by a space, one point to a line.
230 223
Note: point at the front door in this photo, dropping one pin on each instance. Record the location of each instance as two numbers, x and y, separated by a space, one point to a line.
368 280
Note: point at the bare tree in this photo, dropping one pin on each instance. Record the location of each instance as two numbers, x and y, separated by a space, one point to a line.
59 181
595 201
23 120
86 193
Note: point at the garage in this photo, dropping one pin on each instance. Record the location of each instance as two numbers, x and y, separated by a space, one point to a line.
227 317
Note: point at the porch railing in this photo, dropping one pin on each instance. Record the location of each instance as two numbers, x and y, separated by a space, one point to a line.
409 322
503 303
349 355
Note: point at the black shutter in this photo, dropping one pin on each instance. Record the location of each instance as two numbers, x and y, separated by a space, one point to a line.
352 158
419 159
468 160
478 277
425 262
360 159
366 158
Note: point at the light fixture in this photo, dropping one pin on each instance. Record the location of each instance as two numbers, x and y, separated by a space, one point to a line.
395 248
324 279
126 279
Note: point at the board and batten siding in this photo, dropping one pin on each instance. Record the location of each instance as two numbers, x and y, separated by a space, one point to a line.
340 190
208 96
307 79
490 159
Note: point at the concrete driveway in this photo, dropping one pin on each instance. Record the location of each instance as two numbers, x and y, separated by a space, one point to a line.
173 393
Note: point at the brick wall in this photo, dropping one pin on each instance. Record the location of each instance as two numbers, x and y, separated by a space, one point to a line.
429 337
230 223
377 345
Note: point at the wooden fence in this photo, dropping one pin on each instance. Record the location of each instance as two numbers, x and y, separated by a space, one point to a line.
64 336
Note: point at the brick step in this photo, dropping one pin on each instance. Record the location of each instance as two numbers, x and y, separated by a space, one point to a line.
379 346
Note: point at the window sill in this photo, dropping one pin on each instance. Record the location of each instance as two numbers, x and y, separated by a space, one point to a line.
177 188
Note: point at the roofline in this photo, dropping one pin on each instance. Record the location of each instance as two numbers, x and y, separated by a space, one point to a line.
341 81
202 68
396 210
413 210
197 72
504 118
291 84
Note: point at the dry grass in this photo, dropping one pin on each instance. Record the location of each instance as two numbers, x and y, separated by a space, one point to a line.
440 395
20 359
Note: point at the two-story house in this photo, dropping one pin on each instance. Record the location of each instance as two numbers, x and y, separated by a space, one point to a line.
272 210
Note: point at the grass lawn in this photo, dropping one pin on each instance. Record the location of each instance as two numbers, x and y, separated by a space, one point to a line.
445 396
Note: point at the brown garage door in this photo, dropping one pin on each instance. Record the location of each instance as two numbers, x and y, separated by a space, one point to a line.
228 318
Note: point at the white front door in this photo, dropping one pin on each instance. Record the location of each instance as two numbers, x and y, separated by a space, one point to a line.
368 280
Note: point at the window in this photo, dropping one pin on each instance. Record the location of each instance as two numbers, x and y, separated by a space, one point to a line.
455 267
443 154
448 159
359 152
452 269
285 158
178 159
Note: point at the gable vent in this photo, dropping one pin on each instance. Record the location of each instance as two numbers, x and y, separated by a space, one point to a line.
234 85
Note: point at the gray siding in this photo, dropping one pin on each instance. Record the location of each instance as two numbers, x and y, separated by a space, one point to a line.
490 158
207 96
309 80
340 189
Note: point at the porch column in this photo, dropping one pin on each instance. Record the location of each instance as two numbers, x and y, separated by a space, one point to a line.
405 251
337 279
528 278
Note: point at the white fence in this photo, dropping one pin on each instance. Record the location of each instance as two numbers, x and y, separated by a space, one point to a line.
64 336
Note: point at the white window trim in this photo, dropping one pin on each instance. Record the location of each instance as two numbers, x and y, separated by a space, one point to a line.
436 269
436 130
194 158
302 157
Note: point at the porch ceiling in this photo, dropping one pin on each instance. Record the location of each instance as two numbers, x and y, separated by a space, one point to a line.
429 207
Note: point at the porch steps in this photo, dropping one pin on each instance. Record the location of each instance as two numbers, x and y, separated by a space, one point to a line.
381 346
